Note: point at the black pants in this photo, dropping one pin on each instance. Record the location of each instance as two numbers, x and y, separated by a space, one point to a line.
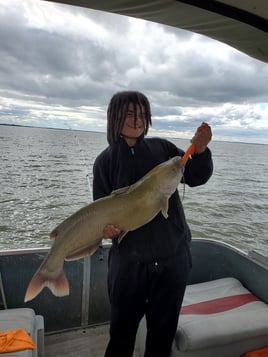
153 289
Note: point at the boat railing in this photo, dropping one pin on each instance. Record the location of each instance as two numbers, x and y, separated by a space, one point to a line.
87 304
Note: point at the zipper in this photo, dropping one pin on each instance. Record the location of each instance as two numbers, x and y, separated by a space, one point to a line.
133 174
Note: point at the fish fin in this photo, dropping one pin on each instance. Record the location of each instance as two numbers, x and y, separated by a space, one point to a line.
53 234
121 190
164 208
121 236
58 284
83 252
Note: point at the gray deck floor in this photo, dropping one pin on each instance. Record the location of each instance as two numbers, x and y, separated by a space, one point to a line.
88 342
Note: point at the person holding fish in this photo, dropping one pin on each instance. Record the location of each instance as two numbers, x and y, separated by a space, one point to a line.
149 266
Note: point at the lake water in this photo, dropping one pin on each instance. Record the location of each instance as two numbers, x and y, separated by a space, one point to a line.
43 177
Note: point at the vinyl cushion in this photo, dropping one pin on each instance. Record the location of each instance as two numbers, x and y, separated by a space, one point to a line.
219 312
13 319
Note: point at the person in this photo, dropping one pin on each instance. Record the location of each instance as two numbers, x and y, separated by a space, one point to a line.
148 269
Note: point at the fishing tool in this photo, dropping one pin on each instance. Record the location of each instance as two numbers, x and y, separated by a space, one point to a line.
190 151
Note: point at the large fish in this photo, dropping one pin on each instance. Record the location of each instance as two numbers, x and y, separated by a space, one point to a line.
81 234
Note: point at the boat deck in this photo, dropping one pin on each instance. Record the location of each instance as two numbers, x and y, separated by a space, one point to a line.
87 342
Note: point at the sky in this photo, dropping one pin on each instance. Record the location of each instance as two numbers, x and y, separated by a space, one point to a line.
60 65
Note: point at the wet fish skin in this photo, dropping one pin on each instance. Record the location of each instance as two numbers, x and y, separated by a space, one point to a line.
81 233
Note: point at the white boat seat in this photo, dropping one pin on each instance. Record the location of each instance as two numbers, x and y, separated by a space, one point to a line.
13 319
218 318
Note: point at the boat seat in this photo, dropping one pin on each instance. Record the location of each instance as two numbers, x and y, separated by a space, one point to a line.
13 319
218 318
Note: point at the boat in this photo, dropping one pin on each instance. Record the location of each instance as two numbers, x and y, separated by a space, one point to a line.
79 323
225 310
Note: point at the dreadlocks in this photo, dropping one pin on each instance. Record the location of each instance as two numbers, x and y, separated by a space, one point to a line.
117 111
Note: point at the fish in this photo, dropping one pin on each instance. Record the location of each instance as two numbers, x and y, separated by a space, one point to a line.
81 234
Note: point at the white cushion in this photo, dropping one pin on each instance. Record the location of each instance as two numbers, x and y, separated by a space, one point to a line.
12 319
219 312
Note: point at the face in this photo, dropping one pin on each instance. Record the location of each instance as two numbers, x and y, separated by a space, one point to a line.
130 131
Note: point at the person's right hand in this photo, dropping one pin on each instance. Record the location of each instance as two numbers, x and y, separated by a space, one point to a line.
110 231
202 137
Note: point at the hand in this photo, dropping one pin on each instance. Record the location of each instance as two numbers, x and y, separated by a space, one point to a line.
110 231
201 138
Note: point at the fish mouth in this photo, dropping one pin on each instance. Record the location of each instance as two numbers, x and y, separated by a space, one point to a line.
177 160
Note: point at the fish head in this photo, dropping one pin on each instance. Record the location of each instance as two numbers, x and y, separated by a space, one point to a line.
169 175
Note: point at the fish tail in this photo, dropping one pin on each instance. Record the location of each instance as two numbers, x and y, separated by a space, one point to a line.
58 284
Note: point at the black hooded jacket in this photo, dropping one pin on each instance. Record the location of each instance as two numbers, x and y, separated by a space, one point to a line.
120 165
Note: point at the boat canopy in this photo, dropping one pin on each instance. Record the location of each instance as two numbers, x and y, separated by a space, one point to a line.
242 24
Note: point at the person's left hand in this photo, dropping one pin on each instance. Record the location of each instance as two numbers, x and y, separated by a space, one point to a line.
201 138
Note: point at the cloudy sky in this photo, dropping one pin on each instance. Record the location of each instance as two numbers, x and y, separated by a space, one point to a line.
60 65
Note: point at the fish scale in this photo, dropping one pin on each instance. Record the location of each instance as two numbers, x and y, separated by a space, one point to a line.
81 233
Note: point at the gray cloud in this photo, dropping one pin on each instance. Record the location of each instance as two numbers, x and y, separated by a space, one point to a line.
50 69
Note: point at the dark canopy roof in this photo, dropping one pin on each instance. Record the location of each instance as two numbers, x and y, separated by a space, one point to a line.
242 24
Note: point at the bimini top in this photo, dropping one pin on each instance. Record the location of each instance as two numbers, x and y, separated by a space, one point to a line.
242 24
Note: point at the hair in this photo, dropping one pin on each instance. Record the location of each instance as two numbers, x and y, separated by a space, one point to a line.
117 111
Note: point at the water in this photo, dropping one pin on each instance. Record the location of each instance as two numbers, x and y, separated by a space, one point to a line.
43 176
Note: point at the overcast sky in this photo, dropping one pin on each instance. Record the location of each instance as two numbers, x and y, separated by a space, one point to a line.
60 65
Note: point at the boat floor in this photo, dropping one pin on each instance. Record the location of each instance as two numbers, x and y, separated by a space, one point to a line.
86 342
